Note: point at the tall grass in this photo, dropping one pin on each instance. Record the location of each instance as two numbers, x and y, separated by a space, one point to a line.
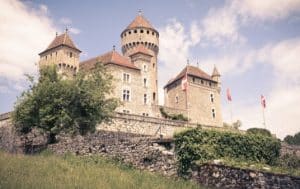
50 171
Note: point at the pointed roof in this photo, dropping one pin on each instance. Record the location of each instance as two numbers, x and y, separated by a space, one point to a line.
140 21
140 49
190 71
111 57
61 40
215 72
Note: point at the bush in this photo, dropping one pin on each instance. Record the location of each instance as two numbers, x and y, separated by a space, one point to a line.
293 140
289 161
172 116
259 131
205 145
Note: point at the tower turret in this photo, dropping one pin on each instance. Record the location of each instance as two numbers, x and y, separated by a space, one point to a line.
216 76
140 42
63 53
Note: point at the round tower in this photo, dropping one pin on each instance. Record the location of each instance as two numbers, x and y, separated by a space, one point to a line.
140 42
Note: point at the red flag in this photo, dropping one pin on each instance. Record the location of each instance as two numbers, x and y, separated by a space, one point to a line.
263 101
228 95
184 83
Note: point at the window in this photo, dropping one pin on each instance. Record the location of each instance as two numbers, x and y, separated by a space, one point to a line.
154 96
145 98
153 65
176 99
145 82
147 31
145 114
71 54
126 111
126 95
55 53
126 78
202 81
129 32
194 80
212 98
145 67
46 57
135 31
142 31
152 33
209 84
213 113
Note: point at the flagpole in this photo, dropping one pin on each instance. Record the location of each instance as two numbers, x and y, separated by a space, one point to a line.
264 120
230 104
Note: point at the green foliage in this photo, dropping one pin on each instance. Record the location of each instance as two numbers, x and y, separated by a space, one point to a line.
205 145
55 105
293 140
290 161
69 171
259 131
172 116
235 125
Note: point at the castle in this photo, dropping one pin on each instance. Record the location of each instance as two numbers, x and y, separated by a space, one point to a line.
192 93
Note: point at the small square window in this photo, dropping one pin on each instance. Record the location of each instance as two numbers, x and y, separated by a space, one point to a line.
142 31
135 31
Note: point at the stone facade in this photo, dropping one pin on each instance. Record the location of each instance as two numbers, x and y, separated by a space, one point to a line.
200 101
63 53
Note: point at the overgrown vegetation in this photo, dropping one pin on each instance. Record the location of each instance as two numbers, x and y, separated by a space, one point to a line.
74 105
206 145
293 140
68 171
259 131
235 125
172 116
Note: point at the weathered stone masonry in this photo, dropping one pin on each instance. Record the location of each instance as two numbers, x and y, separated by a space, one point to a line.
143 152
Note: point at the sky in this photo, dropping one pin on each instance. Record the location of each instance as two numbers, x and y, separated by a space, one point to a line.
254 44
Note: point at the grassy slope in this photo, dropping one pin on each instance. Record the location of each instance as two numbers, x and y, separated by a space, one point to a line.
49 171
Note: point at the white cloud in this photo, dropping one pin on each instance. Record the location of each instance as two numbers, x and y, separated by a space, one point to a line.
175 44
24 33
65 21
283 100
266 9
74 30
220 25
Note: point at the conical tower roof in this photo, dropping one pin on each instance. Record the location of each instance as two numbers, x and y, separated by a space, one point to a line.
61 40
216 72
140 21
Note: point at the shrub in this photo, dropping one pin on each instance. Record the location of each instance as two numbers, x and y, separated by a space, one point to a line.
205 145
172 116
293 140
289 161
259 131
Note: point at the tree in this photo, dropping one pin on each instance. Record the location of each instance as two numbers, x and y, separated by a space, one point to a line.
74 106
294 140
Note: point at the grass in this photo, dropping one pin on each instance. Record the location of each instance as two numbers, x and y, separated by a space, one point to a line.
68 171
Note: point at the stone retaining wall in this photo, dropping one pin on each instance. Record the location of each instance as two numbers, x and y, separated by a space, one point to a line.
221 176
